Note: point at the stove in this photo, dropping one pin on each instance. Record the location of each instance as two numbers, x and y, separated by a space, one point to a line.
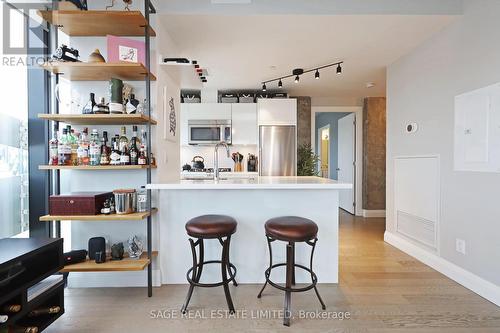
210 170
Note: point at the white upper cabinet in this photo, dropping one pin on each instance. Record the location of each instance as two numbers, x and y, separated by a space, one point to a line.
210 111
244 123
277 111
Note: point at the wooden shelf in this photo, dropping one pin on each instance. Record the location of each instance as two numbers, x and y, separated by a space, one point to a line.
95 168
105 71
98 22
101 217
126 264
99 119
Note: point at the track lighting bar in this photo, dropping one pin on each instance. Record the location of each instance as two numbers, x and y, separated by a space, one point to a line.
299 71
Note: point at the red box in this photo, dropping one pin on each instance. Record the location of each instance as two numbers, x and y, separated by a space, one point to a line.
78 203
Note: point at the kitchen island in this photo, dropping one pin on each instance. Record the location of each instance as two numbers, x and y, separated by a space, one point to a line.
251 201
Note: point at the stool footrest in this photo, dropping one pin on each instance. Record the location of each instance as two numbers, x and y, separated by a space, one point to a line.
232 274
275 285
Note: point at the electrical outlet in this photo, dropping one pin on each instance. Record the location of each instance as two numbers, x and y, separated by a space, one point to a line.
460 245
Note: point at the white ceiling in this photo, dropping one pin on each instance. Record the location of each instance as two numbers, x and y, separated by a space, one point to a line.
310 7
242 51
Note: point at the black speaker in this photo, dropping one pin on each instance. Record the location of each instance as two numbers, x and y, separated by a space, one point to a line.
96 244
74 257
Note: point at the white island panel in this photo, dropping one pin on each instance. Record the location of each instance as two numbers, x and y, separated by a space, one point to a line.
251 205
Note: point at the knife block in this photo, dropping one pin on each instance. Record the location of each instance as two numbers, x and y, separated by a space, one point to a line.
238 167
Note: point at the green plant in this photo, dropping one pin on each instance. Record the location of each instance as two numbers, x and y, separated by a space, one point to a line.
307 161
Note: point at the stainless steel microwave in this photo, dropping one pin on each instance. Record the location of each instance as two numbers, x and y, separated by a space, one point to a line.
205 132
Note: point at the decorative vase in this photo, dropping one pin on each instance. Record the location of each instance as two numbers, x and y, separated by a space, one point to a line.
117 251
135 247
96 56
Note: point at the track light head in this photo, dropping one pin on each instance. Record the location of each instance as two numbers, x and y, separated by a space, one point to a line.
264 88
280 84
297 78
316 75
339 69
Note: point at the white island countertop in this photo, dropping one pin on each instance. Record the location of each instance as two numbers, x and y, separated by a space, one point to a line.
280 183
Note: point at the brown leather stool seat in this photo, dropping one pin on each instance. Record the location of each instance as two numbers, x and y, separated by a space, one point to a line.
291 229
211 226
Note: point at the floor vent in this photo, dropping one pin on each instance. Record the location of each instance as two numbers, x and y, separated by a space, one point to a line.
417 228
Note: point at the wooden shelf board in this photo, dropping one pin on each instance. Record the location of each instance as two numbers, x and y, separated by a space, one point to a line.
99 119
101 217
126 264
98 71
98 22
95 168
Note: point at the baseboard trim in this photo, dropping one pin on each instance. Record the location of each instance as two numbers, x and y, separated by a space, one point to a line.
483 288
373 213
112 279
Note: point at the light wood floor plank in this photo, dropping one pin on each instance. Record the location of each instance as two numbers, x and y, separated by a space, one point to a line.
382 288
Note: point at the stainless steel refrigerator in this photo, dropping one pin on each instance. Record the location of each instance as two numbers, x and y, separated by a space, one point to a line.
277 151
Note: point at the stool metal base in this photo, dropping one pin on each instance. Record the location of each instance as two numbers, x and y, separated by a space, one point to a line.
197 268
290 276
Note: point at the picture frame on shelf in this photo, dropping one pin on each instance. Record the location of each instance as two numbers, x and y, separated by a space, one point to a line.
126 50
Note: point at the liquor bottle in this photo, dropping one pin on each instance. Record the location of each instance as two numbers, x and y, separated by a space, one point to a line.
95 148
144 139
115 152
11 308
83 148
21 329
142 159
53 148
134 135
124 156
44 311
73 139
123 139
134 152
89 107
64 149
105 150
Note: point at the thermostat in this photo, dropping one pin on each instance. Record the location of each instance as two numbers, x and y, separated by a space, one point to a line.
411 128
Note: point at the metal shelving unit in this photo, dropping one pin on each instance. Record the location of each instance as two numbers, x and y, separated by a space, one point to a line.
86 24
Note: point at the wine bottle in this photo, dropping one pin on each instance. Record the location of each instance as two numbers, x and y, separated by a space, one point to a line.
44 311
20 329
3 319
12 308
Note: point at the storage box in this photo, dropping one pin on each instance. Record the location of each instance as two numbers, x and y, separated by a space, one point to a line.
190 98
229 98
246 98
78 203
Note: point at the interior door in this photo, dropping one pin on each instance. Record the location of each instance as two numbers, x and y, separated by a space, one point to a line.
346 159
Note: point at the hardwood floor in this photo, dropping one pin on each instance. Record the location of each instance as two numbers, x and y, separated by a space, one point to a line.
382 289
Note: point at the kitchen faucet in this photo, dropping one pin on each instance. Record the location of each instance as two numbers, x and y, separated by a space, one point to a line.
216 158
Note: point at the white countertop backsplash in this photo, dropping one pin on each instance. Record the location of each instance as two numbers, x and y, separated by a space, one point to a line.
207 152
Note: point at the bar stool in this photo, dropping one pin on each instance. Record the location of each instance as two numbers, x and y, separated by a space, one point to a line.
211 227
291 229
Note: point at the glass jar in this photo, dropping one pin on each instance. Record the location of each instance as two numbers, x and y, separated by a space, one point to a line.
142 199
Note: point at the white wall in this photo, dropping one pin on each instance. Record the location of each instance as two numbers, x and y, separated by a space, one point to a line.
421 87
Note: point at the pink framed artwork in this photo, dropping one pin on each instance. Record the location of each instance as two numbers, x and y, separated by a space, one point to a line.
125 49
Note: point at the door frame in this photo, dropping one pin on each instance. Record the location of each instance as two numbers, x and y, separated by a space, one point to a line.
358 176
320 130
